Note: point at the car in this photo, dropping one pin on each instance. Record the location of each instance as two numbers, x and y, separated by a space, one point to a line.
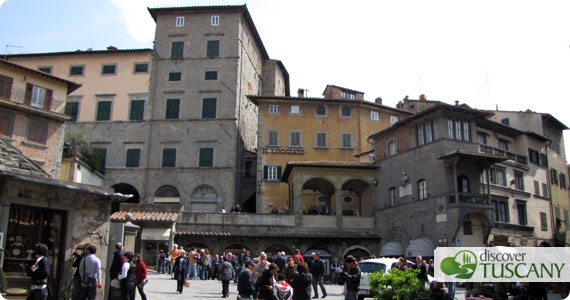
369 266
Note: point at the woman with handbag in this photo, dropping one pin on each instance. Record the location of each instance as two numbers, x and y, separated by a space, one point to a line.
180 271
141 274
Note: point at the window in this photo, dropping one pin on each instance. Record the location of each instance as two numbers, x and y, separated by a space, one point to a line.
533 156
99 155
211 75
504 144
544 190
463 183
374 115
37 131
272 173
140 68
273 109
213 48
109 69
321 110
555 147
179 21
346 112
215 20
392 195
392 148
137 110
467 228
482 138
206 158
521 211
177 50
427 132
38 95
557 212
562 180
543 224
505 121
566 220
519 181
422 189
543 160
346 140
450 128
76 70
536 188
104 110
273 138
500 212
172 108
169 157
498 176
435 130
347 95
46 69
133 157
427 129
295 110
458 131
6 87
6 124
174 76
466 131
553 176
393 120
321 139
294 138
420 134
209 108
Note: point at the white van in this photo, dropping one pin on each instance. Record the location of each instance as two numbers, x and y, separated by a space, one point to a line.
369 266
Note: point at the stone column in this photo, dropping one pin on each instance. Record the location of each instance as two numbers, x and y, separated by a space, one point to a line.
338 199
297 198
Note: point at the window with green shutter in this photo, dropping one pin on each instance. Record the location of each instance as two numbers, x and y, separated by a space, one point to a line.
177 50
104 110
168 157
73 111
211 75
209 108
213 49
133 158
174 76
206 157
99 158
137 110
272 173
172 108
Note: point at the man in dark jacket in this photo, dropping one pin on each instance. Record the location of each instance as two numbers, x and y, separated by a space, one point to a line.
118 261
226 274
422 275
351 276
281 262
39 273
318 271
246 288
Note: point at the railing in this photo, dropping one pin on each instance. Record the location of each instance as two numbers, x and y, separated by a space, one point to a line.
18 95
500 152
470 198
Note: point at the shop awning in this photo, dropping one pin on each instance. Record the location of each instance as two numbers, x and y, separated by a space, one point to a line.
392 249
155 234
422 247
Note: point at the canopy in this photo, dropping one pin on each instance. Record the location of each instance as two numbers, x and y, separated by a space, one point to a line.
155 234
392 249
423 247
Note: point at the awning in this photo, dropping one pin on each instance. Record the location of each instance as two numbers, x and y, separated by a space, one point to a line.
392 249
422 247
155 234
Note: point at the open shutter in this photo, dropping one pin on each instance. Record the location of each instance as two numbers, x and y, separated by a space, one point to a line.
49 99
6 87
28 95
265 172
278 172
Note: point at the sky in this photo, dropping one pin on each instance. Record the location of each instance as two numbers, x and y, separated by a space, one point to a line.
514 55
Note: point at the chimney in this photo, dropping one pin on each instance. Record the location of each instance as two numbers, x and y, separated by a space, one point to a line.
456 102
423 97
112 48
378 101
301 93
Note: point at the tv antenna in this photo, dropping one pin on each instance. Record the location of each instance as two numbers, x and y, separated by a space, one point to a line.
12 46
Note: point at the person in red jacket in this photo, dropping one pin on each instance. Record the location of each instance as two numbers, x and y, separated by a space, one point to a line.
140 272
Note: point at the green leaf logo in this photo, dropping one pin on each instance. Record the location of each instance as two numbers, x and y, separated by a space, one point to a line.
463 264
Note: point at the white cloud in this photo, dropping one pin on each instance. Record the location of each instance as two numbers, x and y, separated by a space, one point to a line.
2 2
136 17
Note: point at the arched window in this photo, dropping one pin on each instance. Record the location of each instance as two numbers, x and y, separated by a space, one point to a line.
422 189
166 194
392 148
204 198
463 184
392 193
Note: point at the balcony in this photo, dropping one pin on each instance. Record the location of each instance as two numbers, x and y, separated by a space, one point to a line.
470 198
521 159
43 102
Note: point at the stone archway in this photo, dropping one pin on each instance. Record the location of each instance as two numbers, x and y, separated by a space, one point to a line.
357 198
278 247
204 199
359 252
167 194
317 196
125 189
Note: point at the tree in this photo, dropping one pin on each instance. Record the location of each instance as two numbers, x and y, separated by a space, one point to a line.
398 285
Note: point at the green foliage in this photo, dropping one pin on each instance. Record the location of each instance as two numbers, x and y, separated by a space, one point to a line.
76 140
3 282
398 285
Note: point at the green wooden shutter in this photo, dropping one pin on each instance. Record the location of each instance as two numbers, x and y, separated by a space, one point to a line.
133 158
137 110
49 99
209 108
211 75
206 157
72 110
172 108
278 172
265 172
213 49
104 110
169 158
177 50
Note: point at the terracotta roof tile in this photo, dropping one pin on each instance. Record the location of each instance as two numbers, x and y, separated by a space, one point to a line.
146 216
275 234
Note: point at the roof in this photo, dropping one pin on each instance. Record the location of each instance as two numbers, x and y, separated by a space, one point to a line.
80 52
12 160
71 86
324 164
364 153
148 216
341 88
556 122
498 127
431 110
255 100
154 12
269 233
475 156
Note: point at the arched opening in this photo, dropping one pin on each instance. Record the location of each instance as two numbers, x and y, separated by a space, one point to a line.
359 253
167 194
249 205
125 189
204 199
544 244
278 248
317 197
357 198
422 246
392 249
240 248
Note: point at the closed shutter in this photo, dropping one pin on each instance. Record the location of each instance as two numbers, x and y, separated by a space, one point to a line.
6 87
137 110
209 108
213 49
28 95
172 108
72 110
278 172
346 140
104 110
206 157
177 50
49 99
265 172
169 158
133 158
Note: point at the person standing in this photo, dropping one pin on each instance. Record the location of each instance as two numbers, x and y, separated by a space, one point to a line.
127 277
206 264
77 277
118 261
266 283
290 270
141 274
421 266
318 271
215 266
297 256
226 274
192 263
246 288
261 266
161 261
281 262
174 253
90 272
351 276
181 271
39 273
334 266
301 282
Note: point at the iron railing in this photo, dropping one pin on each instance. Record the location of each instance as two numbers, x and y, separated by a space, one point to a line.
52 104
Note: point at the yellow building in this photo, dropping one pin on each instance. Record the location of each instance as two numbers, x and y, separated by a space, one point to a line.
321 134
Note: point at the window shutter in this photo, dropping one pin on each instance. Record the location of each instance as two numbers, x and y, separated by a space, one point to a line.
278 172
213 49
49 99
168 158
177 50
172 108
265 172
104 111
28 96
6 87
206 157
133 158
209 108
137 110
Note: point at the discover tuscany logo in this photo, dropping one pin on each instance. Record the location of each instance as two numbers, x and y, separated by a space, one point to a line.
502 264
